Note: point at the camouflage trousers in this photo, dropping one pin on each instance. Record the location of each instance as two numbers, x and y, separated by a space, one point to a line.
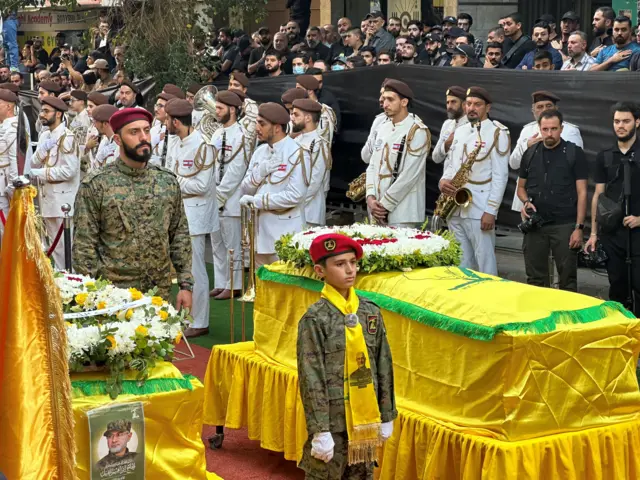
337 468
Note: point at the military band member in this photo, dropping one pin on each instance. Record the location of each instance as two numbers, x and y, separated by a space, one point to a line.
92 141
456 118
108 149
276 182
233 148
530 134
249 114
25 127
474 226
304 117
196 116
338 377
174 90
192 160
130 223
287 100
328 122
81 122
56 165
46 89
8 151
159 140
367 149
396 179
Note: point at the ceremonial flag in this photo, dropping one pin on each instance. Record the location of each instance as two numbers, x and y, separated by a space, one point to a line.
35 392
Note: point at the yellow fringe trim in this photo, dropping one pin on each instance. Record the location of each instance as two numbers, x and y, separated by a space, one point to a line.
363 447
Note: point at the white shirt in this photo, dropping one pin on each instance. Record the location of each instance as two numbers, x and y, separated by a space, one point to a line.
367 149
157 142
108 151
448 127
80 126
320 152
327 124
8 155
582 65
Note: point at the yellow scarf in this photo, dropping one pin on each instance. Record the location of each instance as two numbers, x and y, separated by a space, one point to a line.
360 401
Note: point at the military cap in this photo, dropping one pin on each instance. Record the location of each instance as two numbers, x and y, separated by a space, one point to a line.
10 86
479 92
79 95
128 83
307 105
98 98
332 244
454 32
543 95
8 96
165 96
103 113
239 93
294 94
194 88
229 98
51 87
128 115
100 64
308 81
274 113
241 78
400 88
56 103
456 91
177 107
174 90
118 426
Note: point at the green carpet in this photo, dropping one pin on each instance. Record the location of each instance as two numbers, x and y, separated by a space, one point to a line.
219 320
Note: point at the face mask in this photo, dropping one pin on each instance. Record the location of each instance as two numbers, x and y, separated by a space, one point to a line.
336 68
298 70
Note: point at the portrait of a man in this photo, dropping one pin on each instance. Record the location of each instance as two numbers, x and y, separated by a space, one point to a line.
118 435
362 376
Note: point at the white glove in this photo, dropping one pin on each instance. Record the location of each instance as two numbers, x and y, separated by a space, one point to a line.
246 200
267 168
48 144
322 446
386 430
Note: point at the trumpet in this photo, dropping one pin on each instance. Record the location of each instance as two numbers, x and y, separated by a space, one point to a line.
248 217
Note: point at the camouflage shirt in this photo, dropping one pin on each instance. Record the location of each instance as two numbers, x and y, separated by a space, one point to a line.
130 227
321 351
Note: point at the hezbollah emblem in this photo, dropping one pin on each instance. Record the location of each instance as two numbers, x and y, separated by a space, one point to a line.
329 245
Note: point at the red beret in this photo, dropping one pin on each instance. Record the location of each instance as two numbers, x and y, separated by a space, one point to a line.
241 78
128 115
103 113
56 103
98 98
332 244
308 82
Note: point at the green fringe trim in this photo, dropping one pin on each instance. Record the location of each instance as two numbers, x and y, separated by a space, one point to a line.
94 388
456 325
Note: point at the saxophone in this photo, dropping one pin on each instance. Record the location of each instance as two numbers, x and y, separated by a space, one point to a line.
446 205
358 188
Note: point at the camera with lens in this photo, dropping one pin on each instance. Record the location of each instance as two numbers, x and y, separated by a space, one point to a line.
531 224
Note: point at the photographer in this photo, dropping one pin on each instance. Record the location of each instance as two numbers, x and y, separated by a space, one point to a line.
553 188
618 232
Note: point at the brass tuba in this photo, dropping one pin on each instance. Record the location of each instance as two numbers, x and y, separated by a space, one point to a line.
446 205
205 101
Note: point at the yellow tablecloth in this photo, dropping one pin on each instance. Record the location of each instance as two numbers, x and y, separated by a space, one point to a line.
482 355
245 389
173 427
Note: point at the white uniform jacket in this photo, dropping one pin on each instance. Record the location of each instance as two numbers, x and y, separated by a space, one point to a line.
327 124
320 153
233 153
281 196
108 151
490 172
8 156
192 160
249 119
80 126
448 127
58 169
409 143
157 142
367 149
570 133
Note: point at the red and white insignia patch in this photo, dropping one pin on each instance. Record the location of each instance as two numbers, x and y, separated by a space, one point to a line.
282 168
187 163
396 147
228 148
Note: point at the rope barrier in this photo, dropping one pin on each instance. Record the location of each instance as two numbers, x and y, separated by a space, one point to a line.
55 242
2 218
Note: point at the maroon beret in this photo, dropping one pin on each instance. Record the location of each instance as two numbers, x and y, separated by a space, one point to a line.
103 113
274 113
308 81
177 107
79 94
307 105
332 244
456 91
241 78
543 95
229 98
8 96
294 94
56 103
10 86
399 87
98 98
479 92
166 96
51 87
239 93
128 115
174 90
194 88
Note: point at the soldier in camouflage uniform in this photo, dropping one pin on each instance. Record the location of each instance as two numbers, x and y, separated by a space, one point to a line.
118 435
130 224
321 357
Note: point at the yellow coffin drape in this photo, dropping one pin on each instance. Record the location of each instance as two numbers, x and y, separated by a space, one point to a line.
513 384
173 426
245 389
35 403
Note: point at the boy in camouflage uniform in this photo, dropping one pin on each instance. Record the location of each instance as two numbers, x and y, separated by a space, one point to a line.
321 351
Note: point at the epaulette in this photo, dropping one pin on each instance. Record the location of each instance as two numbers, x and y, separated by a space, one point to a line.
418 121
500 126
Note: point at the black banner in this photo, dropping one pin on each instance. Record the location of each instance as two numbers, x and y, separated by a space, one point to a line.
586 99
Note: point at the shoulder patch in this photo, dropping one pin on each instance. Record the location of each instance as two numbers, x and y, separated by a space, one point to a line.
499 125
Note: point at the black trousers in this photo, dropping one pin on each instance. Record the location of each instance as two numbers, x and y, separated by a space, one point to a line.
536 246
615 245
